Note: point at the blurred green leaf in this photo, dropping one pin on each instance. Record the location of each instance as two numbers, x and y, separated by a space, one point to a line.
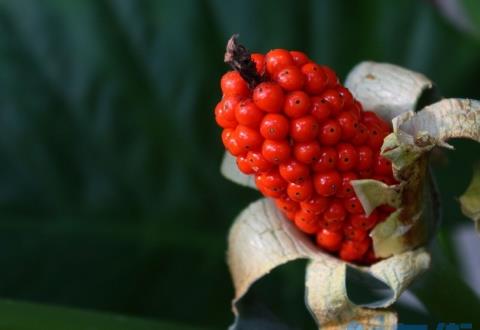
24 316
445 294
472 7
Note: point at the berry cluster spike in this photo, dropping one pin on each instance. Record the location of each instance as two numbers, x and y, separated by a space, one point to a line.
304 137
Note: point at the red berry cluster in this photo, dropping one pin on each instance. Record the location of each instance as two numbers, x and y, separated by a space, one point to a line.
304 137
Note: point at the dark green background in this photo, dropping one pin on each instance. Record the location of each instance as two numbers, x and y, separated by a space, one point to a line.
110 194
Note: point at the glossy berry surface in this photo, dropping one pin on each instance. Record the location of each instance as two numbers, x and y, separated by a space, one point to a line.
305 139
274 126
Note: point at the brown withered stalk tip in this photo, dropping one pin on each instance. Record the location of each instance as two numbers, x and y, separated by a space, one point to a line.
238 57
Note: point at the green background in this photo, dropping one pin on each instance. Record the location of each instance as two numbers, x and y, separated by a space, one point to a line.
110 193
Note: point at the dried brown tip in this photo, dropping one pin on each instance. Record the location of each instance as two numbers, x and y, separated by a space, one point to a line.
238 57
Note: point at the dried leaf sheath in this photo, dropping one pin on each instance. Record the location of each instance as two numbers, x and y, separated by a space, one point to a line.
261 239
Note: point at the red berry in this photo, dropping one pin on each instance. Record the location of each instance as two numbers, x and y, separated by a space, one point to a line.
335 212
297 104
299 58
274 126
327 160
286 204
315 205
346 189
376 136
268 96
327 184
248 114
354 234
330 222
347 157
304 129
353 250
258 59
233 146
225 112
361 136
222 122
316 80
333 98
332 78
229 103
363 221
232 84
320 109
277 59
349 124
300 191
276 151
353 205
258 163
357 109
290 78
330 132
307 222
248 138
382 166
270 183
329 240
244 165
226 134
294 171
307 152
365 158
346 96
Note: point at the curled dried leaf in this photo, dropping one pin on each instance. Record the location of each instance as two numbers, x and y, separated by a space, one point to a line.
414 135
261 239
441 121
386 89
